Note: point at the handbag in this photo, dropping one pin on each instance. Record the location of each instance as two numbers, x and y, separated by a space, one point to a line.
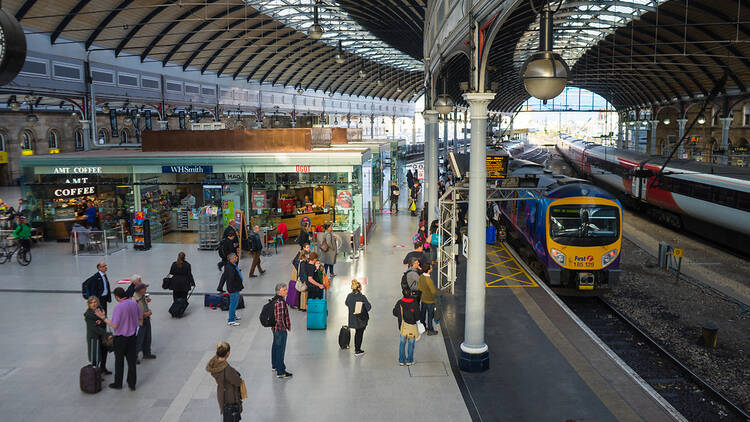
300 284
243 390
108 340
324 245
435 239
326 282
408 330
166 282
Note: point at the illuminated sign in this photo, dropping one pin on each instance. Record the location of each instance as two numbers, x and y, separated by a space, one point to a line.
72 191
187 169
78 170
302 169
497 166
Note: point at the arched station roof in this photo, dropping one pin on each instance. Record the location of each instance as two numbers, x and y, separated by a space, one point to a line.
262 40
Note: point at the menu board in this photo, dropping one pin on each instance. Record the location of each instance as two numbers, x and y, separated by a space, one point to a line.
259 199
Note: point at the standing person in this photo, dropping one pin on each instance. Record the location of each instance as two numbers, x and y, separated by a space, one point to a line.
328 246
233 278
407 312
188 201
256 246
22 210
419 254
98 286
395 193
358 318
308 269
124 321
304 234
228 381
143 338
91 214
428 296
96 328
411 277
227 245
414 194
135 280
409 178
280 329
182 277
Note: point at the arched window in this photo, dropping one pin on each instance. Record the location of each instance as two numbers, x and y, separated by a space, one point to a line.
79 140
124 137
53 139
27 140
102 137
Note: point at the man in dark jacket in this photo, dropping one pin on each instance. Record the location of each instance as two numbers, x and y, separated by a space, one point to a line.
98 286
227 245
256 246
233 279
419 254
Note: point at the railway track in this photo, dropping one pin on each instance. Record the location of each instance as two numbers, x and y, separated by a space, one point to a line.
681 387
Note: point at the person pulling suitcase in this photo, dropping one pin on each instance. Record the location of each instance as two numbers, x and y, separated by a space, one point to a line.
359 315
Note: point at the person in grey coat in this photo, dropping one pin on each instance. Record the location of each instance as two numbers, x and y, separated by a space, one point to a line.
328 257
358 321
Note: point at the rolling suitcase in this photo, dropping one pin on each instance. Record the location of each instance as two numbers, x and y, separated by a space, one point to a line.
292 295
490 235
177 310
91 376
344 337
317 314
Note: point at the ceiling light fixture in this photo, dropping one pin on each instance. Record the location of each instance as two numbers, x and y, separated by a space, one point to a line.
444 103
340 55
667 121
701 119
105 108
545 73
315 31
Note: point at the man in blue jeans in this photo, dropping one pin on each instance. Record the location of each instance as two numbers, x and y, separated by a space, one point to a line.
281 315
233 280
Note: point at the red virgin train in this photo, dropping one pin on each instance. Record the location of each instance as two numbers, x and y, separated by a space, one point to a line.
710 200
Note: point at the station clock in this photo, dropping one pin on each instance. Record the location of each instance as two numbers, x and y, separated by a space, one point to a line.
12 47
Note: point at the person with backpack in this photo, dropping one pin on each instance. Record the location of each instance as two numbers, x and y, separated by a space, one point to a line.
407 312
227 245
410 279
359 315
275 315
98 286
229 383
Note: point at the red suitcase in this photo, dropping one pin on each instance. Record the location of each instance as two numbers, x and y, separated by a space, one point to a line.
292 296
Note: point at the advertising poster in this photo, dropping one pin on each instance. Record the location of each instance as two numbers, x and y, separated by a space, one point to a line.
259 199
344 199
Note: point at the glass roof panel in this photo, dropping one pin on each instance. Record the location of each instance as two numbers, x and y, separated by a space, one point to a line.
337 26
592 22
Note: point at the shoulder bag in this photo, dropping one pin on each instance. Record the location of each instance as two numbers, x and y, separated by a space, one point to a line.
166 282
324 245
301 284
408 330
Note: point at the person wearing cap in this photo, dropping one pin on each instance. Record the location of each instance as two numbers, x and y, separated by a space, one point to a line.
22 233
143 338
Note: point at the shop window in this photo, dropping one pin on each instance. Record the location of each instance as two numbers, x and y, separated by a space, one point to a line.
102 137
124 137
79 140
53 139
27 140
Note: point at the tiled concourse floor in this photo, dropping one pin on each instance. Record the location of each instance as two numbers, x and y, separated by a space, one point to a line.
42 344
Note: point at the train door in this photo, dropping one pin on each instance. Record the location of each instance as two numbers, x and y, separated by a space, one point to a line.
640 178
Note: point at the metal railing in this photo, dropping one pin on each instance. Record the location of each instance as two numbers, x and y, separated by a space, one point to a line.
97 242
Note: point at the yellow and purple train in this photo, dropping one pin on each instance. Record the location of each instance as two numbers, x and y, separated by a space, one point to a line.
571 227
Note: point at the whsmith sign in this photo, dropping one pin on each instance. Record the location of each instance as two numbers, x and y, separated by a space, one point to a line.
187 169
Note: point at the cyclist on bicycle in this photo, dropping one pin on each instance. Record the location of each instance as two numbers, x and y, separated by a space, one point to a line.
23 234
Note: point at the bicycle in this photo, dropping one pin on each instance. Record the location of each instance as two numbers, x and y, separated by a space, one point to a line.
22 256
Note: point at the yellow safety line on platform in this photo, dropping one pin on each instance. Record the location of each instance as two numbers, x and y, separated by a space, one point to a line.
502 260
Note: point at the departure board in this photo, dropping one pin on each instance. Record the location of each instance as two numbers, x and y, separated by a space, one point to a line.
497 166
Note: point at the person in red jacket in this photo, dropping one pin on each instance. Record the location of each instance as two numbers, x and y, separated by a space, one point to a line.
407 312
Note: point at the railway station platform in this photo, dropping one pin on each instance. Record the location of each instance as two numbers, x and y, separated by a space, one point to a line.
544 365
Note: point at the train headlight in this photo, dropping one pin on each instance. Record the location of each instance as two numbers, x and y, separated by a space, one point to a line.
608 257
557 256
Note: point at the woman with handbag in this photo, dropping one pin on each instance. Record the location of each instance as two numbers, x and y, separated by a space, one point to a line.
359 314
96 336
407 312
181 280
230 388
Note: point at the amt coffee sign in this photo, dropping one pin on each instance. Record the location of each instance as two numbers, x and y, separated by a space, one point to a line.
73 191
187 169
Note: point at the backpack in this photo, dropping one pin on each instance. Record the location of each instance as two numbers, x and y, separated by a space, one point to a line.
85 289
404 282
267 315
222 253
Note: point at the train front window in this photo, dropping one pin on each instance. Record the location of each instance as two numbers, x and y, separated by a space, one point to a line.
584 225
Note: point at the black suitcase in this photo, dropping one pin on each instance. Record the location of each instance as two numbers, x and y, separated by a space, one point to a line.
178 307
224 305
344 337
177 310
91 376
